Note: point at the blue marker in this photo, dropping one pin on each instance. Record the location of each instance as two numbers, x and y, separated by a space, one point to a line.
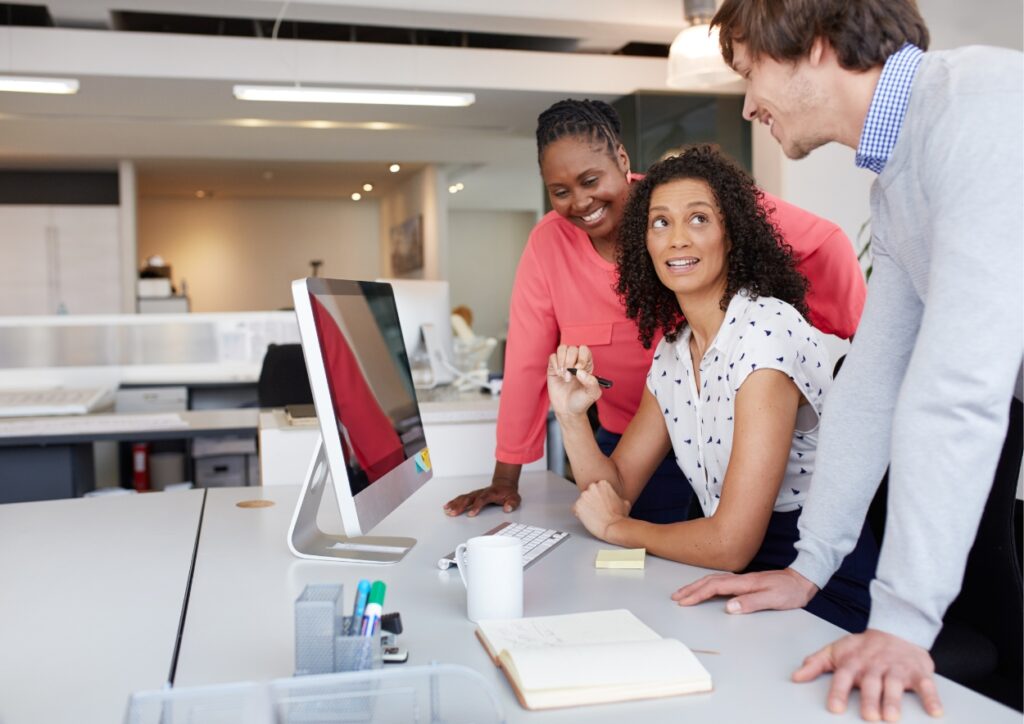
374 609
362 594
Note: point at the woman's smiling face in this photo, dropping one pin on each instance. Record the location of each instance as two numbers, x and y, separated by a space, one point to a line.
586 183
686 237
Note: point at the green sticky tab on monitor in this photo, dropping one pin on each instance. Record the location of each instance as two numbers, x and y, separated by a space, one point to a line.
621 558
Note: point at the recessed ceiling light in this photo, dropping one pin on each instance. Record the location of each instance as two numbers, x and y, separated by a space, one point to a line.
356 196
249 122
394 168
204 194
459 186
453 189
367 188
364 96
28 84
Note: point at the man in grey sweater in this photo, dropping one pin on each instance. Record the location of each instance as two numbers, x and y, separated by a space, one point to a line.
927 384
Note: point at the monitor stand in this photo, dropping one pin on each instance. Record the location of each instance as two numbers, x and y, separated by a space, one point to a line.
306 540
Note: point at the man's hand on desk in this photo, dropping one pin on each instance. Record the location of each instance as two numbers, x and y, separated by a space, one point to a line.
500 493
882 666
750 592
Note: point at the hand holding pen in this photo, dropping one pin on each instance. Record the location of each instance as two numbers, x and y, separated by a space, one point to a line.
601 381
572 385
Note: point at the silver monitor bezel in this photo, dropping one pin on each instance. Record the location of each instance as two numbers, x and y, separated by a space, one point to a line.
361 512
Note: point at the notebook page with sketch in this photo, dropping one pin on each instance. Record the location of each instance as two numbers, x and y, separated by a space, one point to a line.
590 658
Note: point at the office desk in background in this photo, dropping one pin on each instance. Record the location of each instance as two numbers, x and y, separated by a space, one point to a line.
91 596
461 430
460 427
240 623
45 458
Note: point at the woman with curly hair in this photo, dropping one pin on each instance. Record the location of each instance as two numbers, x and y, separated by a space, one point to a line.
735 389
564 293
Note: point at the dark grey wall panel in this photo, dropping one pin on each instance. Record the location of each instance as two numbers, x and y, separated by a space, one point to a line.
59 187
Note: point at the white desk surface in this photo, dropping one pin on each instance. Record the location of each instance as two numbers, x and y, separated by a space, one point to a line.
240 623
91 592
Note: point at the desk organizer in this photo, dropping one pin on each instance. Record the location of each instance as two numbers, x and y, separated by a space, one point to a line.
321 646
429 694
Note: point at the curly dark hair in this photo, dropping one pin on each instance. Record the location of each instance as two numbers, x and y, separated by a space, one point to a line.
758 259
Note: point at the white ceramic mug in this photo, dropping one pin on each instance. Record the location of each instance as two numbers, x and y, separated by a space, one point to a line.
491 567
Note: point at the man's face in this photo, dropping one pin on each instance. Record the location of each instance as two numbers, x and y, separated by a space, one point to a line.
783 96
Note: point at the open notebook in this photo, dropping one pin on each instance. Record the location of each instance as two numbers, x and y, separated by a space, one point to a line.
590 658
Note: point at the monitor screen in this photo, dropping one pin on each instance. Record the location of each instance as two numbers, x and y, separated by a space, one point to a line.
364 396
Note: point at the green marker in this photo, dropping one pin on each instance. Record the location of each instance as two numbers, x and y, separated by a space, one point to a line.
374 609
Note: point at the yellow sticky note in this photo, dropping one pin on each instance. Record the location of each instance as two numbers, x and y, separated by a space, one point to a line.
621 558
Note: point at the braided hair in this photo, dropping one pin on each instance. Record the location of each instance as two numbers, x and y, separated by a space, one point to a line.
758 259
594 120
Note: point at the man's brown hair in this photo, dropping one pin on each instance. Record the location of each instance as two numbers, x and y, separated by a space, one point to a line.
863 32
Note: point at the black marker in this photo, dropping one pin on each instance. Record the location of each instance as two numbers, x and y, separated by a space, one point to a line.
601 381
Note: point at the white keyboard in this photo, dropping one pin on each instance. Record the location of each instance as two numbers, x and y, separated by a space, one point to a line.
537 541
53 401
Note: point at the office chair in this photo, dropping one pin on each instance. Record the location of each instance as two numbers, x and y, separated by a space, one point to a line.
283 377
979 645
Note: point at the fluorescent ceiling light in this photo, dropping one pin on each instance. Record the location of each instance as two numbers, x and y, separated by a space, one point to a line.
28 84
310 94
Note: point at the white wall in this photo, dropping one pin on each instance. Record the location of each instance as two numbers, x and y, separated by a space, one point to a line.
953 23
241 255
422 194
484 250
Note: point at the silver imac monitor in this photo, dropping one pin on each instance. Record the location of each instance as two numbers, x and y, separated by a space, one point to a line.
425 309
372 446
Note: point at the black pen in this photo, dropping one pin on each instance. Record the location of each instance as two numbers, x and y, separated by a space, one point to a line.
601 381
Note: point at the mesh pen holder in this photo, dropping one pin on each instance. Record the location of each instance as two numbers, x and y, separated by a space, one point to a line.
355 652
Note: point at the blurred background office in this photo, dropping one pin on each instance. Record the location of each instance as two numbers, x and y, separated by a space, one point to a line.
142 181
239 197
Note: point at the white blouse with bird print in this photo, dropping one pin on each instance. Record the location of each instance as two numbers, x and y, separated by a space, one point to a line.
763 333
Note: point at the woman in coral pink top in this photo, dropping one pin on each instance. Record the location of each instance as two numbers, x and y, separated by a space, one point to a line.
564 294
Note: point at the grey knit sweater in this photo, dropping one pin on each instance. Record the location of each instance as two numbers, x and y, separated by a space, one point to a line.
927 384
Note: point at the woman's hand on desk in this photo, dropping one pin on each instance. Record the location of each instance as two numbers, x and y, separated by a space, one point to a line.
599 507
503 494
503 491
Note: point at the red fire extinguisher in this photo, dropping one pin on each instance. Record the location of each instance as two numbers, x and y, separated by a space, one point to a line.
140 465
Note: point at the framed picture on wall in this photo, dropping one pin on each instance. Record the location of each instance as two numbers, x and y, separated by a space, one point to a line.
407 246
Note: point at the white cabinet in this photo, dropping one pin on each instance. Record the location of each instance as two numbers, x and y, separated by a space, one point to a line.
59 259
